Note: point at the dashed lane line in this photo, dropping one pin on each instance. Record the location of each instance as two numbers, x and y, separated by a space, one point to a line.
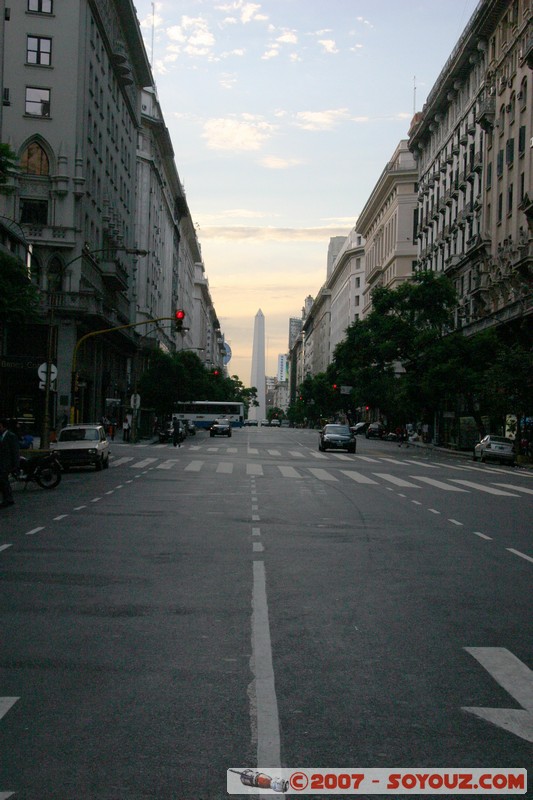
518 553
5 546
34 530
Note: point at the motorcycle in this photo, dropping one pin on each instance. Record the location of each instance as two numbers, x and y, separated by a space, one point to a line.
42 468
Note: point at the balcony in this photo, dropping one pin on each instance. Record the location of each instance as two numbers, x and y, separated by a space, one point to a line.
486 114
114 274
55 236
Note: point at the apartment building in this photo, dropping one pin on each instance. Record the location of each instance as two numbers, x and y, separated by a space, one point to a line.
388 225
473 143
99 204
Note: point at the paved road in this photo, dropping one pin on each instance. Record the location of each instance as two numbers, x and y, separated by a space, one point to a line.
252 602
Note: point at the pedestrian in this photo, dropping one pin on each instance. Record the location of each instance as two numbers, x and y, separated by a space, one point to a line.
176 432
126 430
9 461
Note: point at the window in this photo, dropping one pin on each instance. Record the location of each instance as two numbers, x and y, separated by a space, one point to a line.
509 151
55 276
34 160
500 207
510 199
489 175
522 140
42 6
34 212
39 50
37 101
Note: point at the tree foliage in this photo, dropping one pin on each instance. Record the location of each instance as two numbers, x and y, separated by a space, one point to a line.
19 298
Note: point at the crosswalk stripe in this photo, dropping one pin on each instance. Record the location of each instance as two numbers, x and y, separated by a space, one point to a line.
396 481
367 458
168 464
117 462
274 452
253 451
392 460
145 463
296 453
232 450
194 466
342 456
226 467
318 455
420 463
323 474
254 469
481 488
289 472
438 484
514 488
358 477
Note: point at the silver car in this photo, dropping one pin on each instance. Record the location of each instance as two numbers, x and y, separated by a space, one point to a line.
82 445
496 447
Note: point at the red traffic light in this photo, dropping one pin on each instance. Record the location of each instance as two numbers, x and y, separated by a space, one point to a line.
216 372
180 315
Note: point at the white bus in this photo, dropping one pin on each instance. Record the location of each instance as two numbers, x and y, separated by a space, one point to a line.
204 412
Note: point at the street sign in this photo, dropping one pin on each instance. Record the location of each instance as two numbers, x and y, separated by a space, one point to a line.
135 401
346 389
43 369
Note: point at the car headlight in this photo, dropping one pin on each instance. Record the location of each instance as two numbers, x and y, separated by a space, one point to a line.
92 451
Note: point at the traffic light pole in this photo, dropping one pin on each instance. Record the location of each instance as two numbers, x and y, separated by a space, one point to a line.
73 379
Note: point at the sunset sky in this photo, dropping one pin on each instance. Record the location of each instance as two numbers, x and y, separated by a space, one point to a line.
283 115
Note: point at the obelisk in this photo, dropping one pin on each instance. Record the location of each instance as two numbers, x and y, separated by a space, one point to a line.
257 378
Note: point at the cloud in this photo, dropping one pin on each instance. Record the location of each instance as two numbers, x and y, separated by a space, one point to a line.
275 162
289 37
246 233
321 120
272 53
329 45
193 36
227 80
248 133
246 12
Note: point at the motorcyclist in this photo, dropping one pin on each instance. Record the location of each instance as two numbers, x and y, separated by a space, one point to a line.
176 438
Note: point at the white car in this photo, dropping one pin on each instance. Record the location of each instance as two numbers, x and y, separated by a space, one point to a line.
82 445
498 448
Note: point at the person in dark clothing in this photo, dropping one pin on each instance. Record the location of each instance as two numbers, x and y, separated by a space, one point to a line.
9 461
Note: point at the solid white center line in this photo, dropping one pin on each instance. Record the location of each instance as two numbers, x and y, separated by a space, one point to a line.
266 703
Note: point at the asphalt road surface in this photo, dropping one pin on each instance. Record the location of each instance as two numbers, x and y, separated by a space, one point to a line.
254 603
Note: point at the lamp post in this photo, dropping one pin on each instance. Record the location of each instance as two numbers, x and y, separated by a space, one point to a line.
86 253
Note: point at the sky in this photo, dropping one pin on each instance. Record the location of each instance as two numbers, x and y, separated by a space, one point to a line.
282 116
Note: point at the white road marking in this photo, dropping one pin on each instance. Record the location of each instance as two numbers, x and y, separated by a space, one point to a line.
194 466
391 460
6 795
119 461
323 475
289 472
518 553
61 516
438 484
451 466
254 469
225 467
6 703
416 502
481 488
95 499
256 531
370 460
257 547
256 518
318 455
515 488
5 546
296 454
456 522
358 477
433 510
253 451
34 530
517 679
171 462
482 535
265 703
419 463
342 456
274 452
232 450
144 463
396 481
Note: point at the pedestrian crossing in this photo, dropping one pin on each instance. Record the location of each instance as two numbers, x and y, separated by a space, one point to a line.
200 460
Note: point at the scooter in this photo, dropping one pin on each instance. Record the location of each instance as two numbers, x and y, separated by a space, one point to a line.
41 468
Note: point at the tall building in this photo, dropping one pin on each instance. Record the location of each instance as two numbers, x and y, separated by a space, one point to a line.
98 202
257 377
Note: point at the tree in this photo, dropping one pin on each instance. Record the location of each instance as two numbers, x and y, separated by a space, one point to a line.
19 298
8 166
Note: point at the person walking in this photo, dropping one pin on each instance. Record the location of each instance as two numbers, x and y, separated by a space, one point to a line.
9 461
126 429
176 432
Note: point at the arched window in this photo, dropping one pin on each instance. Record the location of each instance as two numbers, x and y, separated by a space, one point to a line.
34 160
55 275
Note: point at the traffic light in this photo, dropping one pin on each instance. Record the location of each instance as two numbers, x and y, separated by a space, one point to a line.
334 387
180 317
216 373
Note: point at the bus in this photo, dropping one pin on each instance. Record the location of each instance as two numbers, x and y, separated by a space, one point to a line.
204 412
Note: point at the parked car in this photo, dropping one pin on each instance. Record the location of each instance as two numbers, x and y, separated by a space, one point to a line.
497 447
375 431
220 427
359 428
275 423
250 423
82 445
337 437
265 423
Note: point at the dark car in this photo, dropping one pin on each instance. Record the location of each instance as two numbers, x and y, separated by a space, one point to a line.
220 427
337 437
359 428
375 431
166 433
